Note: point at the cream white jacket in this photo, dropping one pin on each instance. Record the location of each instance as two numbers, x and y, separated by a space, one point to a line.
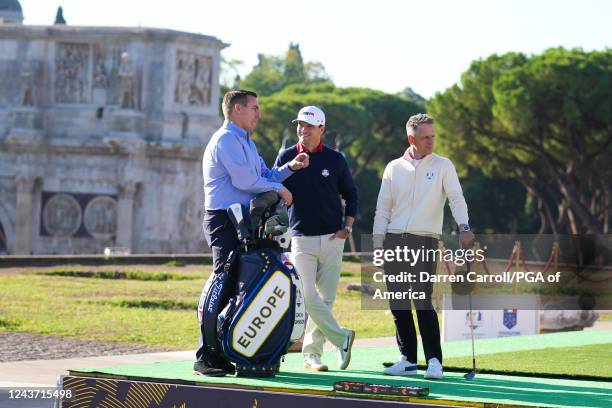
412 199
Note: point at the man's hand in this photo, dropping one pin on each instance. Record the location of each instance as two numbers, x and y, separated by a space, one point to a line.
466 239
301 161
287 196
343 234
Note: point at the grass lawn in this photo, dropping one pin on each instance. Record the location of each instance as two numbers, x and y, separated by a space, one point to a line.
592 360
605 317
154 306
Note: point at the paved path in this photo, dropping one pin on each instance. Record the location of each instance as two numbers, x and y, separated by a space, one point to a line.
21 346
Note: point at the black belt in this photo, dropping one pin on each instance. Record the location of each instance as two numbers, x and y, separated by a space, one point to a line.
213 212
405 234
408 235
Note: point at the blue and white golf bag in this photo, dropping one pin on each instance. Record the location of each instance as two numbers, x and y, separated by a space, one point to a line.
254 310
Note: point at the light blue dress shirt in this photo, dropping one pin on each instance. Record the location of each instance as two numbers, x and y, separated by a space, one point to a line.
233 170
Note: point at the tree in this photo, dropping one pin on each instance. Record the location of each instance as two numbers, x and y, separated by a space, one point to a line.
294 70
230 77
496 205
59 16
273 73
266 77
543 120
411 95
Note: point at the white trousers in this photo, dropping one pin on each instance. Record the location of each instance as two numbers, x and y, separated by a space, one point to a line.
318 261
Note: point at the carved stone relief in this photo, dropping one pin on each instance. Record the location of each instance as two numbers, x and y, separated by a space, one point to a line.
101 217
107 61
62 215
30 75
102 67
193 79
71 73
116 77
127 83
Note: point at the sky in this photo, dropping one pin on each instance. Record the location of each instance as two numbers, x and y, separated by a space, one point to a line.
382 44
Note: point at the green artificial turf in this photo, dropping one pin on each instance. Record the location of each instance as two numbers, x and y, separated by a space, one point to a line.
593 360
366 366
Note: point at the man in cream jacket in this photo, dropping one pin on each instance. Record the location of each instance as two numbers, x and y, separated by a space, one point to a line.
410 211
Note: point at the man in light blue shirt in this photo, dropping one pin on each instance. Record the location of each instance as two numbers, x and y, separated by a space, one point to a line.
234 173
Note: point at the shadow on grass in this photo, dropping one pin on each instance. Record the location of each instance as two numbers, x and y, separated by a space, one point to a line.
9 324
162 304
130 275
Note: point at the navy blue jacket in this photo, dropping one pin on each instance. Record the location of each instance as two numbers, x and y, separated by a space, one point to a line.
316 190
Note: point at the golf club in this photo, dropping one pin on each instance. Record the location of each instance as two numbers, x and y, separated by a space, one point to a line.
471 374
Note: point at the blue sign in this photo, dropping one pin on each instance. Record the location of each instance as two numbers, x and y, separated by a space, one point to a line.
510 317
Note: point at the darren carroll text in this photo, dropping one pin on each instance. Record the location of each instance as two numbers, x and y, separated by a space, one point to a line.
505 277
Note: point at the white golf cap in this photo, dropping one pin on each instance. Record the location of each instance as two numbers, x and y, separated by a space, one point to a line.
311 115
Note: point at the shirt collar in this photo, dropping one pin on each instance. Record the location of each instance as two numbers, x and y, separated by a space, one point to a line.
409 157
416 162
302 149
232 126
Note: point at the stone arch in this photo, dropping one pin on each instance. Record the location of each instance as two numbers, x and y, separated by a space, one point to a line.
9 230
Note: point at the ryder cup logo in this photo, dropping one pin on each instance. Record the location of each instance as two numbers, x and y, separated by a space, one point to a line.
325 173
429 175
475 321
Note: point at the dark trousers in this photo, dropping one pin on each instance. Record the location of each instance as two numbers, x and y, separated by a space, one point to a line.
220 235
405 331
222 238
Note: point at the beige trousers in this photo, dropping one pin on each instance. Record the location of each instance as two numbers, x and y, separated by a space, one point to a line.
318 260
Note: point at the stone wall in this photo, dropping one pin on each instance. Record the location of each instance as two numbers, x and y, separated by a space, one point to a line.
101 136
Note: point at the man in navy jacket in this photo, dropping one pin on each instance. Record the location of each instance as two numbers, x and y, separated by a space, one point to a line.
319 230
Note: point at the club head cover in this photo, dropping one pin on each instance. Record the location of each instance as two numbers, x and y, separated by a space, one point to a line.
241 220
259 205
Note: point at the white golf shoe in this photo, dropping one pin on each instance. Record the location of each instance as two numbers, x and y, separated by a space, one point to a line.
313 362
434 369
344 351
401 367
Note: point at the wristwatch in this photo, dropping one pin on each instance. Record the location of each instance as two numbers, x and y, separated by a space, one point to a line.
349 229
464 228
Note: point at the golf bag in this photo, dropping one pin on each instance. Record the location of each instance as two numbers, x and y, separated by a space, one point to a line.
253 309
